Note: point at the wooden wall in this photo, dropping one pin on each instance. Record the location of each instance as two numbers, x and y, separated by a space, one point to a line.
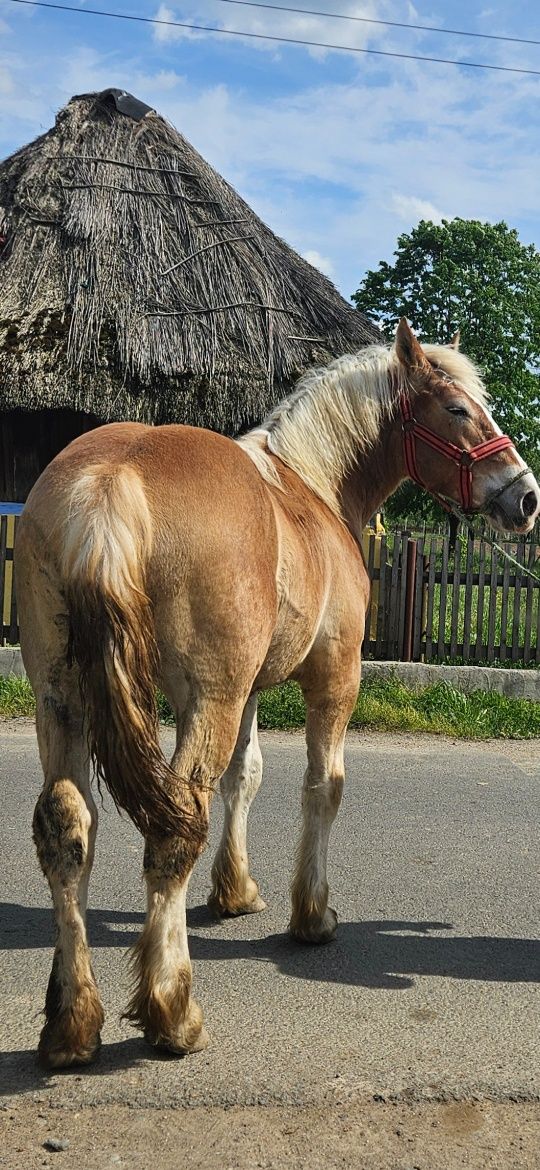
29 440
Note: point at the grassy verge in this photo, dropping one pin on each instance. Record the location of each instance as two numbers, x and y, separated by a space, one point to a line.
381 706
439 709
16 697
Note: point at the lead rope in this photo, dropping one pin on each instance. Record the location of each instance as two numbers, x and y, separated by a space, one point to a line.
489 540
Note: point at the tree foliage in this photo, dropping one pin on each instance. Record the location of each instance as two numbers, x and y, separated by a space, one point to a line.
478 278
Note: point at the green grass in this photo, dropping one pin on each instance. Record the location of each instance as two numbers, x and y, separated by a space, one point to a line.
381 706
164 710
16 697
440 709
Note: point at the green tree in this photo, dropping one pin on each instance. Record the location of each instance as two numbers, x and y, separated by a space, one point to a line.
478 278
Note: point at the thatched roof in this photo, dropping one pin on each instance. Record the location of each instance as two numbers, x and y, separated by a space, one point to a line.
135 283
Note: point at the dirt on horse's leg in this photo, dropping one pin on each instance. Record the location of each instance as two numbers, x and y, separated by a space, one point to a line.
233 890
65 822
161 1003
329 707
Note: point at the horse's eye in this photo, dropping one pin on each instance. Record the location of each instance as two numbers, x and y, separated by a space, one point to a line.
459 411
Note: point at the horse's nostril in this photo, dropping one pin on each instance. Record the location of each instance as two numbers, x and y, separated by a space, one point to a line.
529 504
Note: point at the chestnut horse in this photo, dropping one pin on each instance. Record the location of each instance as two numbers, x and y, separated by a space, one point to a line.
215 568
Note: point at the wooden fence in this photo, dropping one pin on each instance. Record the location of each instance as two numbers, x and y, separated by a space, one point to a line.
430 602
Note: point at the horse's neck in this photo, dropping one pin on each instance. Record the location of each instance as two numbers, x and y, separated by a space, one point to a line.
375 475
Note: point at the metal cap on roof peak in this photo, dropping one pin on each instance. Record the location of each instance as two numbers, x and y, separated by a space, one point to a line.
125 103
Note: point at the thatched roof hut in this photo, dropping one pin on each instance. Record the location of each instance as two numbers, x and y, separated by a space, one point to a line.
135 283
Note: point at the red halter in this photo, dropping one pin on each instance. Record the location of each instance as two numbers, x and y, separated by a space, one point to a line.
465 460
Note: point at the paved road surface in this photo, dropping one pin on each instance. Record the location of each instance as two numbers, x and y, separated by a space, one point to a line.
430 989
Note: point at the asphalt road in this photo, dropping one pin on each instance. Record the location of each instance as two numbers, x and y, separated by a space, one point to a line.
430 988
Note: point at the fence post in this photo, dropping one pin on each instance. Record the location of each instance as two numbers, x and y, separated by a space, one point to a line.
408 626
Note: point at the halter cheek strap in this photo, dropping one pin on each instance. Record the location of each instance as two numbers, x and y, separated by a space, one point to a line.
465 460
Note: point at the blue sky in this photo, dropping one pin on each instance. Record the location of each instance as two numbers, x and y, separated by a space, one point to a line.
338 153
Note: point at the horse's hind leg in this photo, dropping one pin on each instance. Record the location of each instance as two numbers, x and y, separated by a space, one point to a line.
161 1003
64 832
233 890
65 822
329 705
65 817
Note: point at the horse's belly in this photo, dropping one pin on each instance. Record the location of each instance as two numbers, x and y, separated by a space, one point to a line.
292 639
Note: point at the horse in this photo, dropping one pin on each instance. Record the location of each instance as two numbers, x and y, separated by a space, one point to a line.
214 567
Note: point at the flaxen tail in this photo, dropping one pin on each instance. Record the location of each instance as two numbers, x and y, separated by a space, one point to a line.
107 546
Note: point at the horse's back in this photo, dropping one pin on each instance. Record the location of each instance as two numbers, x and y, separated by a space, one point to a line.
172 460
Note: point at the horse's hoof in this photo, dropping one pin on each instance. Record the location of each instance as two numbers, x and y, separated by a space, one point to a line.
56 1056
181 1047
315 931
254 907
220 910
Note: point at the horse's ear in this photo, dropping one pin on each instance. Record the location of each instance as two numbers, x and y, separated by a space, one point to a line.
408 348
454 344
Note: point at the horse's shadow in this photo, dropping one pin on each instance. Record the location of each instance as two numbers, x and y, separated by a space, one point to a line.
385 954
382 954
23 927
379 953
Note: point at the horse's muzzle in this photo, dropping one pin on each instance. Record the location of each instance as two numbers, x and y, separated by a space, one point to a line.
517 507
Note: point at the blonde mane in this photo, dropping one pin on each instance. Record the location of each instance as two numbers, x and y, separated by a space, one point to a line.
337 411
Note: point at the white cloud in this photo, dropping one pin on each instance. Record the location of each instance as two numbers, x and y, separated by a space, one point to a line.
167 79
261 23
323 263
165 32
6 80
411 209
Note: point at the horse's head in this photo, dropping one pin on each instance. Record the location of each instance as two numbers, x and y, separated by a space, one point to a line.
452 447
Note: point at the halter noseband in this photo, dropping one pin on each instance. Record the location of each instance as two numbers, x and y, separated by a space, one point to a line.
465 460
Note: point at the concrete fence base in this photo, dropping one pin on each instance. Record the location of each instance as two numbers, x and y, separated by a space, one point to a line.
517 684
11 662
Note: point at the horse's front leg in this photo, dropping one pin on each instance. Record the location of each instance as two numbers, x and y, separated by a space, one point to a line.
329 705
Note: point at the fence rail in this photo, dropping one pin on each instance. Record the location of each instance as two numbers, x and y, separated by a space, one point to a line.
431 601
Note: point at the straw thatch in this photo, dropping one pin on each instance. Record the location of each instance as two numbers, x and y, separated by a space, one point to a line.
135 283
